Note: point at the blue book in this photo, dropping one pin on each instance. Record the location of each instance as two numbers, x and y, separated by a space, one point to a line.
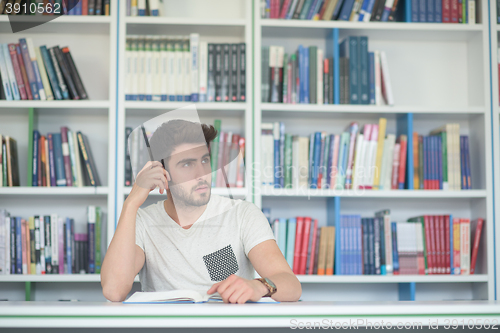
336 11
467 163
91 247
438 12
36 137
58 159
395 257
364 227
302 65
330 159
415 10
281 236
305 9
357 237
316 160
78 8
30 72
462 164
425 161
371 64
13 248
371 246
68 246
290 240
343 245
385 14
5 76
54 82
364 83
380 221
348 48
19 246
431 6
366 10
422 10
345 13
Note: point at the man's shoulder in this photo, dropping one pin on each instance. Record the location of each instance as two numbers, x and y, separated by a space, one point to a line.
225 204
150 210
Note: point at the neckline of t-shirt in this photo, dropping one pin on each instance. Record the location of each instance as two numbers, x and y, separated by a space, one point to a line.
176 225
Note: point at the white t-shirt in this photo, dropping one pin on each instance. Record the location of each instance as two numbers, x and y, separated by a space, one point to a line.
213 248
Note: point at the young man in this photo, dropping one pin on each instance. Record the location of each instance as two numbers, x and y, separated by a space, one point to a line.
193 239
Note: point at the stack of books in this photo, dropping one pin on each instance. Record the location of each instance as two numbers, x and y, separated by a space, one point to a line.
163 68
9 164
38 73
428 244
62 159
49 244
307 76
364 158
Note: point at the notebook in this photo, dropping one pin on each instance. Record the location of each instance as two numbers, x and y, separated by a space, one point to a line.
181 296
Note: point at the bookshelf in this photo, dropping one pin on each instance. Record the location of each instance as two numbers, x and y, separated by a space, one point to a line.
495 125
439 74
445 69
92 41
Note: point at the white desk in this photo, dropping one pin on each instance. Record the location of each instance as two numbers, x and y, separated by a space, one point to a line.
332 314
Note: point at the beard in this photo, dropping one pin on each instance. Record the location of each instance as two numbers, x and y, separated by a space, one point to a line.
185 198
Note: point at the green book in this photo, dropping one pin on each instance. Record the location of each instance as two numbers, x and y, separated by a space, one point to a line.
31 120
288 161
97 243
214 153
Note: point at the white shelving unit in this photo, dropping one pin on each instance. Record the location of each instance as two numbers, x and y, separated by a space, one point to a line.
439 73
92 41
495 127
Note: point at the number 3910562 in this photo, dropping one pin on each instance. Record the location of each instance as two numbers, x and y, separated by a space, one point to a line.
33 8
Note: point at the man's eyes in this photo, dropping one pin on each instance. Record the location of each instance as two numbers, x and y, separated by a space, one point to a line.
190 164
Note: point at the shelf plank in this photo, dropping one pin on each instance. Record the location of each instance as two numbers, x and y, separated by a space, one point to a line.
158 20
68 19
236 192
444 278
268 191
84 104
398 26
54 191
349 108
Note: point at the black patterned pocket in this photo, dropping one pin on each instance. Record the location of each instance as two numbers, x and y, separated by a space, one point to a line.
221 263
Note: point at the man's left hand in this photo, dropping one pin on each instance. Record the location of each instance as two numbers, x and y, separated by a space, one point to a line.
236 289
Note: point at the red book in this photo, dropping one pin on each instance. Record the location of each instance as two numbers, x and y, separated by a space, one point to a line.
284 9
313 247
298 244
432 231
460 11
454 11
305 245
428 245
85 6
25 80
439 249
402 161
66 158
17 71
477 228
275 9
443 243
446 8
447 244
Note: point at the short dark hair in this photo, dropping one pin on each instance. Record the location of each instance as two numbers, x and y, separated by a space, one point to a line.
173 133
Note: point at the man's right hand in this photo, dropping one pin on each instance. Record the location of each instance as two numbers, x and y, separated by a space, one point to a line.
151 176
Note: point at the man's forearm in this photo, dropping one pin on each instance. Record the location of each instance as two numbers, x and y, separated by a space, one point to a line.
117 272
288 287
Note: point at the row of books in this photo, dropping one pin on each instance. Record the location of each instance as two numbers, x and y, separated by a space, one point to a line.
365 158
162 68
306 76
435 11
62 159
227 149
50 244
429 244
55 7
9 163
38 73
144 8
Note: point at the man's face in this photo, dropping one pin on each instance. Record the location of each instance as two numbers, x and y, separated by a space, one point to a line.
191 175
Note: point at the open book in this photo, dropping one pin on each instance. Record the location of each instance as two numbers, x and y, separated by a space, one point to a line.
181 296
